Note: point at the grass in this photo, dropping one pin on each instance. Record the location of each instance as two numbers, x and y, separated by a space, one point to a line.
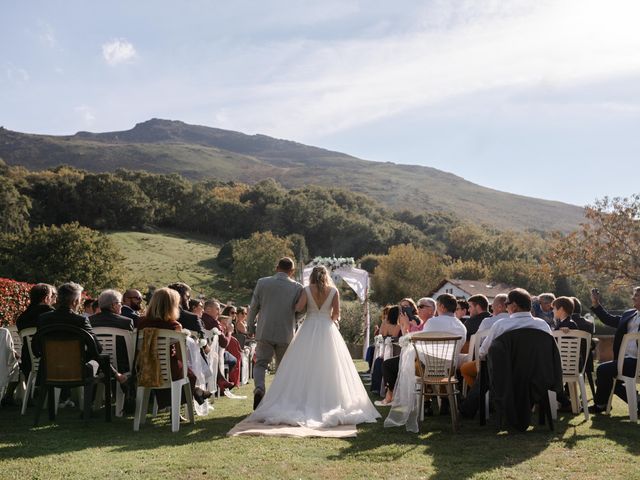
603 447
162 258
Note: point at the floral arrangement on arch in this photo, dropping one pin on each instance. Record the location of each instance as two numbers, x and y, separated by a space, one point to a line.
333 263
14 299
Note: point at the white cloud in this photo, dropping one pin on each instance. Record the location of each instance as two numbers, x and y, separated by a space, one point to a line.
16 74
86 113
46 34
118 51
328 86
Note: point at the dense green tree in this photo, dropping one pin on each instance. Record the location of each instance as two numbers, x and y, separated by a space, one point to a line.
257 256
406 271
60 254
14 208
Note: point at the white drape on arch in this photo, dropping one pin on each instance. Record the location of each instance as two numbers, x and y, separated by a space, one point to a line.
358 280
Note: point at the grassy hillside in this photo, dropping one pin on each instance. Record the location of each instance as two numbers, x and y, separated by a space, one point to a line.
161 258
197 152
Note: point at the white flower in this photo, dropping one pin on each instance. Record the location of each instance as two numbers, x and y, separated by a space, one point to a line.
215 331
404 341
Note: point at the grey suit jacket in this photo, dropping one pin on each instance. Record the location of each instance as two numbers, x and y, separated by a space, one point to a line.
274 300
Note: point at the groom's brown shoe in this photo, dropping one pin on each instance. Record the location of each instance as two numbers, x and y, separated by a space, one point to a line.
257 398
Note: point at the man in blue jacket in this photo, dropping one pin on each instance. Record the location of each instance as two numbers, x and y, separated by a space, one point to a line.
628 322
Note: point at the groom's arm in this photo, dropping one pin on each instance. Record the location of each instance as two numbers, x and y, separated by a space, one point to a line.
254 308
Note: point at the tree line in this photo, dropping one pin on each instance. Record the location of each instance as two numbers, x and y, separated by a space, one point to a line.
403 248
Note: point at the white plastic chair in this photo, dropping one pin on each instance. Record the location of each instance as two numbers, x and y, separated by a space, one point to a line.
165 339
629 382
27 336
213 360
387 353
107 337
17 340
571 345
246 359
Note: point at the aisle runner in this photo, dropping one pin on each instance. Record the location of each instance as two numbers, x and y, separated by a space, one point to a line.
255 428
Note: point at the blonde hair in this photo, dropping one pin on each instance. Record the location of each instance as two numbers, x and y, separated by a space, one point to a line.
320 278
164 305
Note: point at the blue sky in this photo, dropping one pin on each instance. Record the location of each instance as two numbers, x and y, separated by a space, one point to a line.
536 97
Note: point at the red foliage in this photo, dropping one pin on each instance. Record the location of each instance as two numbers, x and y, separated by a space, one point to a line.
14 299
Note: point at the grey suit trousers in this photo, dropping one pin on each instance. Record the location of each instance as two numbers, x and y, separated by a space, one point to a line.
264 354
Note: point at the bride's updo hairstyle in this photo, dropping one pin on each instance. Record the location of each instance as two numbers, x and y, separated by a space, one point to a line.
321 278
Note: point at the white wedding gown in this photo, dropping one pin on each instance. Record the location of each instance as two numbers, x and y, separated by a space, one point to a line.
316 384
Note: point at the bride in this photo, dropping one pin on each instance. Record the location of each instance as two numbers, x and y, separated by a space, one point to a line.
316 384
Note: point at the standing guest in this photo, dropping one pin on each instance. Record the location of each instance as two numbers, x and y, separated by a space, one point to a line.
110 303
628 322
187 319
42 296
163 312
132 305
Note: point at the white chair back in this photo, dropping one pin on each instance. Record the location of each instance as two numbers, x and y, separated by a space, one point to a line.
26 335
107 337
438 353
17 340
387 351
165 339
626 339
570 345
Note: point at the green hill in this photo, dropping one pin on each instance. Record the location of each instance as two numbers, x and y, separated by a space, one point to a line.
199 152
159 259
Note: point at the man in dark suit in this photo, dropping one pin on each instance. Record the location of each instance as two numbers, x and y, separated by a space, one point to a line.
41 297
110 302
188 320
131 305
69 300
628 322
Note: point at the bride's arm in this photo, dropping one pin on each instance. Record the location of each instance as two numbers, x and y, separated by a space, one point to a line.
302 302
335 307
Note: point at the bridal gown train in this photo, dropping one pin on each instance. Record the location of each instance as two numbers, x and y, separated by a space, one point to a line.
316 384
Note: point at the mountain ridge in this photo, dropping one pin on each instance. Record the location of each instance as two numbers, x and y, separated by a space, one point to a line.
198 152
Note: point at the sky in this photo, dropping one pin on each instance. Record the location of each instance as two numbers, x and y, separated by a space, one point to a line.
535 97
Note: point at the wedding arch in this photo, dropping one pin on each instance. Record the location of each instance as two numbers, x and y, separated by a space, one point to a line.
358 279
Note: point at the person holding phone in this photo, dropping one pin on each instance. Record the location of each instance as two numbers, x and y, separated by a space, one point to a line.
628 322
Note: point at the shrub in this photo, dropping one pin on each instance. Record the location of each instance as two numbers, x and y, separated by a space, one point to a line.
14 299
257 256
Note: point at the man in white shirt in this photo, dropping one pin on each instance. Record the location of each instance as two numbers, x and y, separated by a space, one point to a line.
446 320
519 308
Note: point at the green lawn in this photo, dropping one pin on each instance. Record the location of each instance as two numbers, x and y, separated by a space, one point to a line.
604 447
161 258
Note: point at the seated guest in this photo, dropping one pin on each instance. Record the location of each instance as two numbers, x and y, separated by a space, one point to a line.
196 307
87 307
110 303
42 296
389 328
562 311
132 305
519 308
582 323
426 310
9 369
241 320
462 310
409 307
628 322
445 321
210 319
69 301
163 312
187 319
542 308
233 352
468 370
478 306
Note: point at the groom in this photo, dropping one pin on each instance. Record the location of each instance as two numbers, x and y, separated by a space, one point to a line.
274 299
